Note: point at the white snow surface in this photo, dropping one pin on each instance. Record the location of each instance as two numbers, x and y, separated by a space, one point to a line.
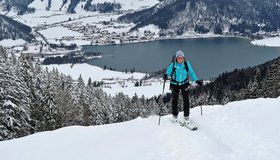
117 81
244 130
56 5
154 89
42 17
130 4
59 32
270 42
151 28
11 43
95 73
39 4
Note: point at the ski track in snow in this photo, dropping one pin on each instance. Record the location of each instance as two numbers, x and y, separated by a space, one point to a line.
173 140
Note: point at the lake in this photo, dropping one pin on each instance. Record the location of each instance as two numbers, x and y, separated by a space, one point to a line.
209 57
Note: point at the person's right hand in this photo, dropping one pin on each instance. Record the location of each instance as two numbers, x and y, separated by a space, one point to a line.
165 77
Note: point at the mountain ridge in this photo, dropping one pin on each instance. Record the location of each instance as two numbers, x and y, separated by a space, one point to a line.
205 16
67 6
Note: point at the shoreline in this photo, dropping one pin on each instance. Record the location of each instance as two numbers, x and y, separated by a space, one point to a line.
202 36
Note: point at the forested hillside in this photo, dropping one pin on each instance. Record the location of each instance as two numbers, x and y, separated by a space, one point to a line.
34 100
10 29
253 82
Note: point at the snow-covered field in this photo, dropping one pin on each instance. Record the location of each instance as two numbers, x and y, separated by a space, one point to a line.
154 89
95 73
245 130
116 81
59 32
44 18
55 34
270 42
12 43
130 4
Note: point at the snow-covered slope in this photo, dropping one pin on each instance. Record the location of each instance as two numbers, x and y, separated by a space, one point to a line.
245 130
95 73
11 29
39 4
116 81
20 7
11 43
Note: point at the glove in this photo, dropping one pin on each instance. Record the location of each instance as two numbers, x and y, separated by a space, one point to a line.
165 77
199 82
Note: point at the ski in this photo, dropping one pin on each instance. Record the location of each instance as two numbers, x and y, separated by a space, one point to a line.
189 124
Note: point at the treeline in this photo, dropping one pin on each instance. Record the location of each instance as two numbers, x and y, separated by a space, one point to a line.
63 60
70 58
102 7
62 45
33 100
252 82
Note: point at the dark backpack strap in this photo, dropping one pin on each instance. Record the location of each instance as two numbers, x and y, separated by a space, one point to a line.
174 81
186 66
187 69
173 71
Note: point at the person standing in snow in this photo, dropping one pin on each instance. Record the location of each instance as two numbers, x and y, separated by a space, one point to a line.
178 71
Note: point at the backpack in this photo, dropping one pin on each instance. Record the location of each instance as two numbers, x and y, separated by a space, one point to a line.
173 69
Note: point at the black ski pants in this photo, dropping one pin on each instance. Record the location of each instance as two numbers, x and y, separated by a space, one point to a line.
175 89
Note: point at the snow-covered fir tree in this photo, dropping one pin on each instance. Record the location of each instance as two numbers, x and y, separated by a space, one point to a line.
15 101
83 102
121 108
51 116
153 105
134 111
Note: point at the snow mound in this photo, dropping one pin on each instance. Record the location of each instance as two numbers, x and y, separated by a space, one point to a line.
245 130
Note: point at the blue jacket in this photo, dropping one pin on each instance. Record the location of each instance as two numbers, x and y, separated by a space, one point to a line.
181 73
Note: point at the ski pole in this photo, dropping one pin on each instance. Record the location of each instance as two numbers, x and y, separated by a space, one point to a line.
200 87
163 87
163 82
160 108
159 120
201 109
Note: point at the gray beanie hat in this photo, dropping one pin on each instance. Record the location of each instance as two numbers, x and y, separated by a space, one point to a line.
180 53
